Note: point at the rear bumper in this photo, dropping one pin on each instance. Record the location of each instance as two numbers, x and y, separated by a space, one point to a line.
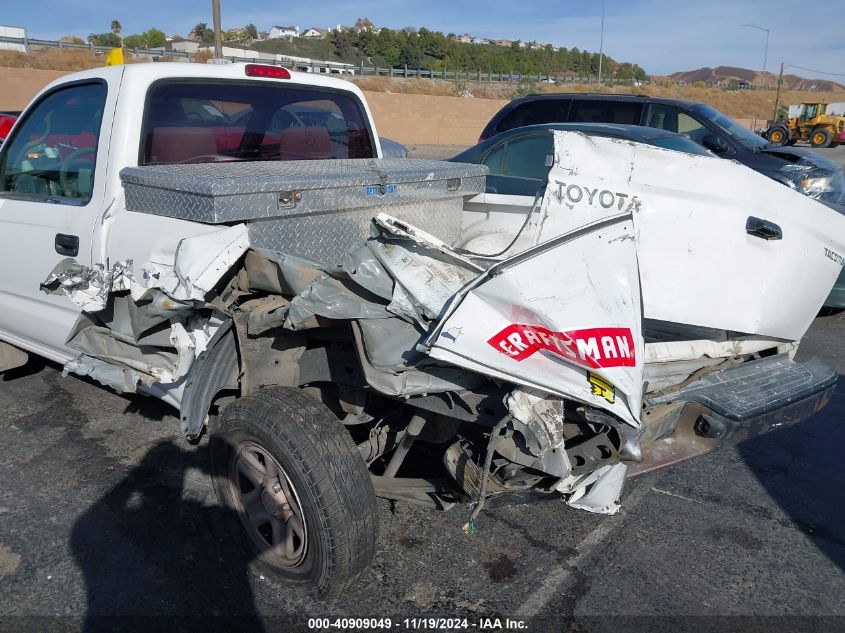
730 406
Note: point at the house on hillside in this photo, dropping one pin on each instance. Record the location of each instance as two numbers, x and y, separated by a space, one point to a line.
480 40
315 33
505 43
283 31
466 38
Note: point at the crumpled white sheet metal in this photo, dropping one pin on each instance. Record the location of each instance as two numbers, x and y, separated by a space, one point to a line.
598 491
87 287
199 264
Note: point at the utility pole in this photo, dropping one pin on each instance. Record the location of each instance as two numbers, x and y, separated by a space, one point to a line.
765 52
601 40
218 37
777 95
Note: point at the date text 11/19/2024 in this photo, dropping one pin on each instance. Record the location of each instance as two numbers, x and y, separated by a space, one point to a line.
417 624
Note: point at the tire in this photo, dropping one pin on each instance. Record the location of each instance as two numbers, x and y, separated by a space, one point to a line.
318 490
820 137
778 135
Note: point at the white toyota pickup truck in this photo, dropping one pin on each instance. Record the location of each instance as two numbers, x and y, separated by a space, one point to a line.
344 326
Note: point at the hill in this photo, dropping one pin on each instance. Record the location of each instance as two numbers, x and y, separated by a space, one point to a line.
433 50
727 75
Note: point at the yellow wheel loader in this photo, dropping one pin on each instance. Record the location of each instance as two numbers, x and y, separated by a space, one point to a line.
812 124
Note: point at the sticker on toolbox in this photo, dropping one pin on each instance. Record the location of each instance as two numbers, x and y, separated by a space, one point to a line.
372 191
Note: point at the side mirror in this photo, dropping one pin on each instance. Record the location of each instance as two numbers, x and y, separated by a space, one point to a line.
715 144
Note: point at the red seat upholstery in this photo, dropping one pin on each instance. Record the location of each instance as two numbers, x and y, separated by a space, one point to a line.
181 144
305 143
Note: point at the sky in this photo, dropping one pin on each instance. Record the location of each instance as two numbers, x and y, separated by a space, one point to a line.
662 36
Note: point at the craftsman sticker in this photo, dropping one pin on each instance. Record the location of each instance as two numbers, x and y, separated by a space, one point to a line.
600 387
591 348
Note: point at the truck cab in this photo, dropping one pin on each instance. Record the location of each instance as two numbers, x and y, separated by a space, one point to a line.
59 173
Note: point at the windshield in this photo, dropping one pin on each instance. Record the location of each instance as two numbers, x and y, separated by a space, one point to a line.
740 134
192 122
680 143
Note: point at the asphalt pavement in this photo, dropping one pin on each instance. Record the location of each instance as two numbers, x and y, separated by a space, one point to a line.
106 511
107 514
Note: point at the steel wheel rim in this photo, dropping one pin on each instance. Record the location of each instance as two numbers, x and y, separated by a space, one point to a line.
777 137
268 505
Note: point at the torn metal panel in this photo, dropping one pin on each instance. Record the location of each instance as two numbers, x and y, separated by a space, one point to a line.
413 380
428 271
333 298
121 379
599 491
564 318
200 263
540 413
87 287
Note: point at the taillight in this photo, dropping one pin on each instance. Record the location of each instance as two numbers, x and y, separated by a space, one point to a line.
262 70
482 138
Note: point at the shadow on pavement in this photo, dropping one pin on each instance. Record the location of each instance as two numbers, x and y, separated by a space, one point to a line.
801 469
146 550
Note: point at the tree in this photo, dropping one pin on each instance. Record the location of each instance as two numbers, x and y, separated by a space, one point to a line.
410 56
155 38
364 24
104 39
201 31
72 39
116 29
251 31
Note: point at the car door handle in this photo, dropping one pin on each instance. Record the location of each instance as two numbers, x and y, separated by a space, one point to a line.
67 244
763 229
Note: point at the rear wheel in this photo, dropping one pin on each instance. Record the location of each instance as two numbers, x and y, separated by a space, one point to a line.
820 137
778 136
298 493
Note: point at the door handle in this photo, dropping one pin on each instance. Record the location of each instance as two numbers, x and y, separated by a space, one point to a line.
67 244
763 229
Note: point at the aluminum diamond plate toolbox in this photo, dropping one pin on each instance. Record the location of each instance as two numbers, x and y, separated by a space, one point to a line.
234 192
310 207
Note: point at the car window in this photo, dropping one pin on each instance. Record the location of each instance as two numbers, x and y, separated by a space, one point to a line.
681 144
54 151
738 133
527 157
606 111
190 122
493 160
535 113
666 117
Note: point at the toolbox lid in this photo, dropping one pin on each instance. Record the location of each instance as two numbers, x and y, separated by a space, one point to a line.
235 178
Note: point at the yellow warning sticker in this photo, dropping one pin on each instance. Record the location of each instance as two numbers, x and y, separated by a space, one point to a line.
601 387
